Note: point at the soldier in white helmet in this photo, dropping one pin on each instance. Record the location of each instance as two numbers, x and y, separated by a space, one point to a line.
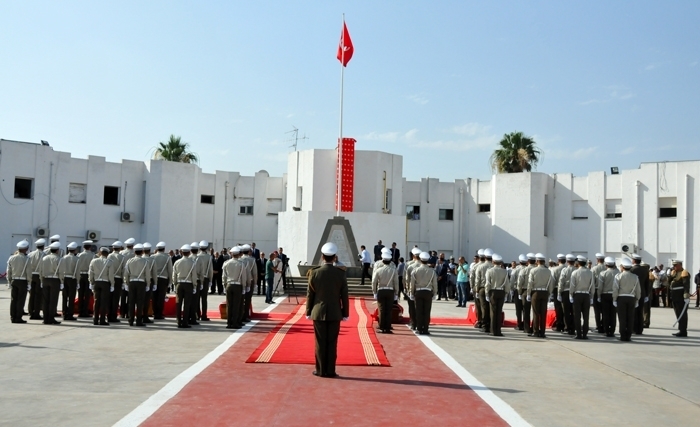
19 275
184 280
517 298
253 273
680 295
327 304
423 290
558 307
385 287
54 239
119 262
413 263
162 273
581 291
539 286
475 289
84 292
137 275
497 286
642 272
235 275
564 296
35 257
205 261
598 268
481 288
101 276
606 281
128 253
626 294
69 277
50 283
148 299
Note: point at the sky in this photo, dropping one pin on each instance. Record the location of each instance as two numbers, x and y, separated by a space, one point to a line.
595 84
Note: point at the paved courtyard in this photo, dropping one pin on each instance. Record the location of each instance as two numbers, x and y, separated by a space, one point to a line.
77 374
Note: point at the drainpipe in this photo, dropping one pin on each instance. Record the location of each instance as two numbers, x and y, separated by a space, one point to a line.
48 221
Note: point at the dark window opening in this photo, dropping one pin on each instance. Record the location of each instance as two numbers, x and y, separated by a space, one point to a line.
246 210
23 188
485 207
446 214
613 215
413 212
111 196
207 199
667 212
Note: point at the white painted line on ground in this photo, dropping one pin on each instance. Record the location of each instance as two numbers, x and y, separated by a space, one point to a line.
503 409
153 403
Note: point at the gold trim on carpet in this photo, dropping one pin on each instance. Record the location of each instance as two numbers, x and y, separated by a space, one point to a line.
274 344
367 346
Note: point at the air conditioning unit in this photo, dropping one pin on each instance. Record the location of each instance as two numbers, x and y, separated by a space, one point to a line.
126 217
628 248
42 232
93 235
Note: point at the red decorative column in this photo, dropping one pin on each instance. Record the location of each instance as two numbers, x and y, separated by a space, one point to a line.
345 174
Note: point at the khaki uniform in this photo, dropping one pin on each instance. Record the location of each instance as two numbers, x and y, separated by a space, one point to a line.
475 292
606 280
35 303
481 289
496 288
161 273
206 274
51 286
597 314
19 275
523 281
680 291
327 304
626 294
423 289
640 320
137 275
119 262
128 254
235 275
581 291
385 287
68 274
558 306
184 280
567 306
252 275
84 292
148 296
514 275
540 285
410 265
101 276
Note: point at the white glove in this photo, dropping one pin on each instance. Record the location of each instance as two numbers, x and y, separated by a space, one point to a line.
559 298
345 319
375 296
413 298
61 286
687 300
91 286
200 287
571 300
529 298
488 299
125 287
194 291
155 287
111 288
646 299
520 297
29 287
247 289
308 317
636 304
396 297
41 285
614 303
591 301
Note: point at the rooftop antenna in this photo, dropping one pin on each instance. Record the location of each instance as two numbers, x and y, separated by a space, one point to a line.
295 138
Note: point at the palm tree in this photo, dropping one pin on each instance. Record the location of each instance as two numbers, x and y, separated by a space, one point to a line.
516 153
175 151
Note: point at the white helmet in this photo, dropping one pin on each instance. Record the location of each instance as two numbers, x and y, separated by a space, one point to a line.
488 253
194 246
147 246
203 244
522 258
130 241
416 251
626 263
185 248
480 252
40 242
424 256
327 249
160 245
497 258
609 260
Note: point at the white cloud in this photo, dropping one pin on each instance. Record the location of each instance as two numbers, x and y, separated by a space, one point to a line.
694 63
462 137
381 136
615 93
580 154
418 99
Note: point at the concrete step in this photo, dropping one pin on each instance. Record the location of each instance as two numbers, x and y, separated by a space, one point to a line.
354 287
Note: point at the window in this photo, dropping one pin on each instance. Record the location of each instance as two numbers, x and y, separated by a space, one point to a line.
667 207
76 193
111 196
485 207
613 208
387 201
446 214
246 210
413 212
579 209
204 198
274 206
24 188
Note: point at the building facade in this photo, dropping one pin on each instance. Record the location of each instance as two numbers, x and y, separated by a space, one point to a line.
653 210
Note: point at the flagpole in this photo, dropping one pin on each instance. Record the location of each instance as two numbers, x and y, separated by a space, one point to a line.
340 138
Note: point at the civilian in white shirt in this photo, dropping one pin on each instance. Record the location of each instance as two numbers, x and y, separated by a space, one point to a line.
366 260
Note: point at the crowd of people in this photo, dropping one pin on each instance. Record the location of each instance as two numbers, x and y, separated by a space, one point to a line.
124 280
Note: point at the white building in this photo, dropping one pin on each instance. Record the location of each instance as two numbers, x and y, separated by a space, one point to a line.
654 210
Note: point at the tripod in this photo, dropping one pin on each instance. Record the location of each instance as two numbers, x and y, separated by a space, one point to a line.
289 284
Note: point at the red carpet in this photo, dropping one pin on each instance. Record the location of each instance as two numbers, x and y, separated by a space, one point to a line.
292 341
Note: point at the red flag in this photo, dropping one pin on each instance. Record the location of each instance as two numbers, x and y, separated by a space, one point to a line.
345 48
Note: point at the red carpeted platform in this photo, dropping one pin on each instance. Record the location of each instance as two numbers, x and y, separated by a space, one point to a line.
292 341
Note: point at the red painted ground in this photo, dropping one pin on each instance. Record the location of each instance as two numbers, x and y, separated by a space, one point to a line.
418 388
